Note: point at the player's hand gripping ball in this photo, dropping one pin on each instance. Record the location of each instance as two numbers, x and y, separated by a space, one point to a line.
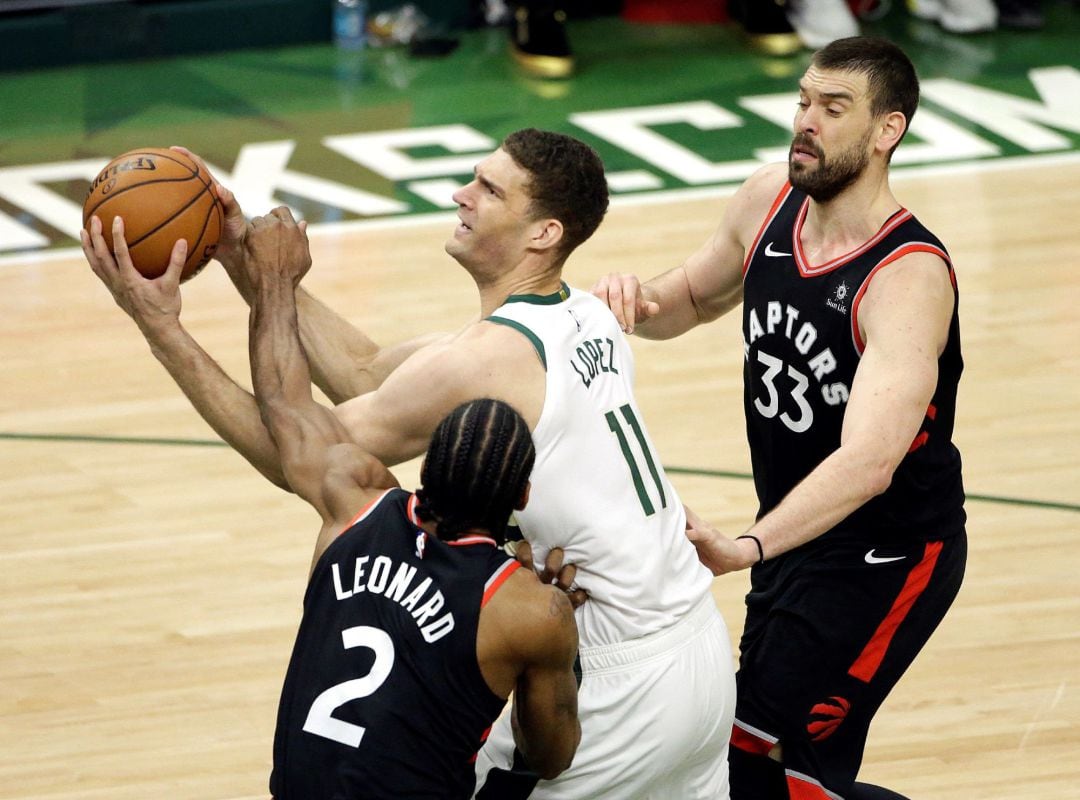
162 196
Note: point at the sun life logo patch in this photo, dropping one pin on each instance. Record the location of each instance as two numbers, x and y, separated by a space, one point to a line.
838 301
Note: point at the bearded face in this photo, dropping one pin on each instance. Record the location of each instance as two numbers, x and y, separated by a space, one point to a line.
823 176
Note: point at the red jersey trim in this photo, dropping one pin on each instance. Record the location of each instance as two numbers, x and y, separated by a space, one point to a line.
868 662
803 787
472 539
898 253
808 271
410 510
785 190
751 740
366 510
497 579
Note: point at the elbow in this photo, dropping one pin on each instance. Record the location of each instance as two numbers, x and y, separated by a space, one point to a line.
550 771
278 479
558 760
877 478
868 468
709 309
272 409
553 772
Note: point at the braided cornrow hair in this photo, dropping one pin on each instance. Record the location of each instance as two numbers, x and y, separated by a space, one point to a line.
476 469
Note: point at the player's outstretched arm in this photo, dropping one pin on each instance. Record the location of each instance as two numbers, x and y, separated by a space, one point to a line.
154 305
318 456
706 285
544 716
665 306
345 362
395 422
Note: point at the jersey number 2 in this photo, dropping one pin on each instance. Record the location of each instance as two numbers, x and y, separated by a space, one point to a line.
319 720
631 461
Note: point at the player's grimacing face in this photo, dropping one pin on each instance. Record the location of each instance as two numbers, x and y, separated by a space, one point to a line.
833 129
493 212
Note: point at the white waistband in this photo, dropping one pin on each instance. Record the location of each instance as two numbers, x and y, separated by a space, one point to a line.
654 645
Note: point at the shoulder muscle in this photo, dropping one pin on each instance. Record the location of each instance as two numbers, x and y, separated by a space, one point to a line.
396 421
911 298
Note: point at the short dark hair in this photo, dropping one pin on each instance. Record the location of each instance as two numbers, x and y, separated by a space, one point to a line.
476 469
566 182
890 75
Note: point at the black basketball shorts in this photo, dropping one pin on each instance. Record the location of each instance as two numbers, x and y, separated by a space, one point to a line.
830 628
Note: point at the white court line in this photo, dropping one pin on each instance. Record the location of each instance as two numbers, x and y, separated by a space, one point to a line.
1031 726
899 174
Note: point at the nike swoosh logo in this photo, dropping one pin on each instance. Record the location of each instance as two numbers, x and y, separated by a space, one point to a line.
774 253
872 559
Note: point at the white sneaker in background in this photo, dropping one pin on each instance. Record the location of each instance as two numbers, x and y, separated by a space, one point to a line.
957 16
818 22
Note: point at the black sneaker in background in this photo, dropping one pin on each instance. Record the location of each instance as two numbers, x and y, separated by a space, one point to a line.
1021 15
766 25
538 40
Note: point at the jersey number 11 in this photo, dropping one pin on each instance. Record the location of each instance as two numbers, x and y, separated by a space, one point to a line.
631 460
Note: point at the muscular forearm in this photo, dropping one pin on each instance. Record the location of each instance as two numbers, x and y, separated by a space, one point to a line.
301 428
338 352
342 358
280 372
228 408
679 310
842 483
550 753
345 363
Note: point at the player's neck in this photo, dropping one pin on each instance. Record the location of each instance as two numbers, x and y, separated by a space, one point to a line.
431 528
852 217
527 279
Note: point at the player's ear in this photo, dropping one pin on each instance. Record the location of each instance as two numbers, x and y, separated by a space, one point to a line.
523 501
547 234
892 128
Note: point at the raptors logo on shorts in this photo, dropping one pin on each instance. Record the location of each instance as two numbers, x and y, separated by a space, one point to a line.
826 717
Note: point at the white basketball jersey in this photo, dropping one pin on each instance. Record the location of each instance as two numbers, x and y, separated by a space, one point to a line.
598 488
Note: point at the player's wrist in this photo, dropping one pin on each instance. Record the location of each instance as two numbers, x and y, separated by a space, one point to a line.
160 328
752 548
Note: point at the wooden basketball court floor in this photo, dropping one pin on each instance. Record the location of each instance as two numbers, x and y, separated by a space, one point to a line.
152 581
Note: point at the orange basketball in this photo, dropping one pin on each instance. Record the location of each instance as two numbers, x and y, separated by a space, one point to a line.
162 196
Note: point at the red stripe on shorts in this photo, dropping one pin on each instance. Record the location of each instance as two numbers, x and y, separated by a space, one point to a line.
750 742
866 665
800 788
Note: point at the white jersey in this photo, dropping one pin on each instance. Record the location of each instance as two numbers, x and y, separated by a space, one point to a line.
599 490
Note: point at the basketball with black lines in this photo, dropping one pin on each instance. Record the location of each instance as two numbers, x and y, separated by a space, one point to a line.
162 196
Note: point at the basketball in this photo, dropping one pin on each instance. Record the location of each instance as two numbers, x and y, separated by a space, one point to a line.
162 196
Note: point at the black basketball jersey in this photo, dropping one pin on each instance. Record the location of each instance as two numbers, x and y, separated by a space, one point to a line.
802 346
384 697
